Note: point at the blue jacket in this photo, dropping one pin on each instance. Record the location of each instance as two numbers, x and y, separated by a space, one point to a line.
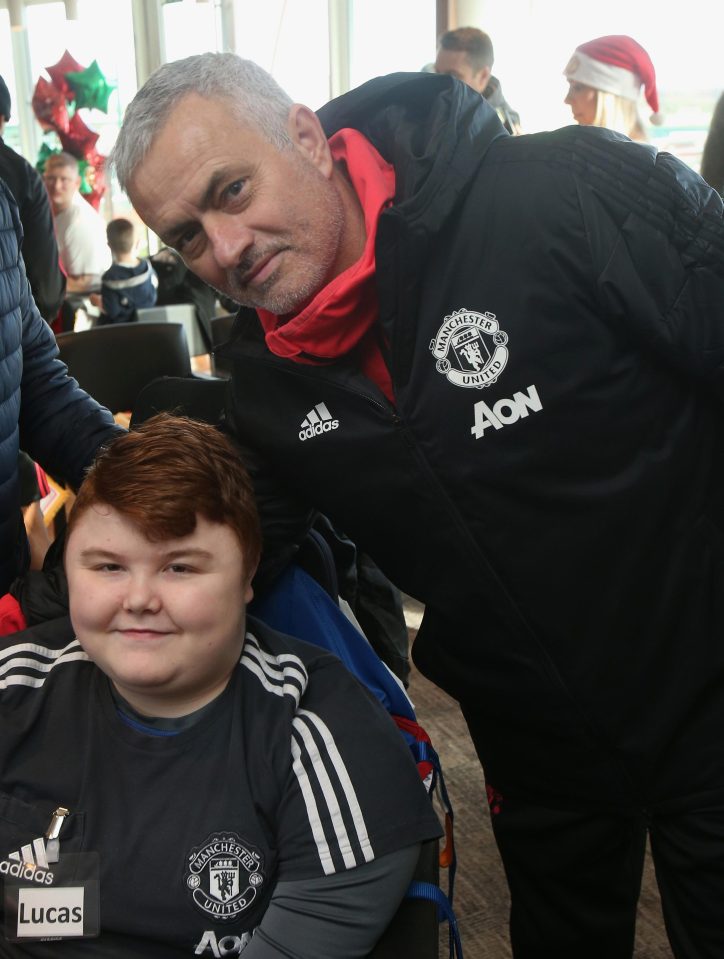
42 410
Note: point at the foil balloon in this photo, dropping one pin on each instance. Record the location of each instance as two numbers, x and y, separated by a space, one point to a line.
57 72
92 173
90 87
43 154
49 106
79 139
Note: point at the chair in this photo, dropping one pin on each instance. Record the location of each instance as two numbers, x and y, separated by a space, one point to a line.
221 327
413 931
201 398
198 339
113 363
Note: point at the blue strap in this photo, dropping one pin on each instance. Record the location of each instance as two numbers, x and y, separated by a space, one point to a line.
433 893
424 752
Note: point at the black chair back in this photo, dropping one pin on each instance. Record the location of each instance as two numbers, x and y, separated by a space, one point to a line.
201 398
113 363
221 327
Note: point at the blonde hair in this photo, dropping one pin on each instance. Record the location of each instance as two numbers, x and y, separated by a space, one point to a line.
618 113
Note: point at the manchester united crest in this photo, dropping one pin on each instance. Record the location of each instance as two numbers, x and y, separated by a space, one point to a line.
224 876
470 349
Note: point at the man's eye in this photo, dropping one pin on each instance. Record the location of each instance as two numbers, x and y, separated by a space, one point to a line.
185 240
179 568
234 189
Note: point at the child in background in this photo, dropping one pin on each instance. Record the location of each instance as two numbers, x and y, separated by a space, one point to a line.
130 284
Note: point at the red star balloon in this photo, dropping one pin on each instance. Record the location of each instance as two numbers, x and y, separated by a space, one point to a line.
94 198
80 140
57 73
49 106
92 171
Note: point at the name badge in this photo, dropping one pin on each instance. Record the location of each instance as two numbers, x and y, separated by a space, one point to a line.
66 907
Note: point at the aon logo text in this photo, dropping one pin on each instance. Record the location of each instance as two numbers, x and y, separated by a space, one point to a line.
504 411
219 948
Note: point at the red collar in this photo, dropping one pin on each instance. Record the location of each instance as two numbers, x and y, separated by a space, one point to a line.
342 316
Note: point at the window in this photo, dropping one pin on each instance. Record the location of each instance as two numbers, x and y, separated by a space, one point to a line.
190 27
289 39
534 40
390 36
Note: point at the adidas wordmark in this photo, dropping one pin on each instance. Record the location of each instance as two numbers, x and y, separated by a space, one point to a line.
317 421
29 862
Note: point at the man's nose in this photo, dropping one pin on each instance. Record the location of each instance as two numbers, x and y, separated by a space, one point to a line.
141 595
229 239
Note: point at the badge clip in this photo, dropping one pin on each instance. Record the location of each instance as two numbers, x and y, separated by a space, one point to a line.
52 842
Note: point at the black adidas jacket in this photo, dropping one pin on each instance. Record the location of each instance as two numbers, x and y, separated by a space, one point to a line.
550 482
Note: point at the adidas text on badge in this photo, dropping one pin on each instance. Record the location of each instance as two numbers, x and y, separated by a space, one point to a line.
317 421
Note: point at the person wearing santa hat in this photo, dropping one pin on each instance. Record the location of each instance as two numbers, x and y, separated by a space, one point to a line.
605 78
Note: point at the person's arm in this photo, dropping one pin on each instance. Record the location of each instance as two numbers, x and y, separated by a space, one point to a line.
61 427
335 917
40 249
111 305
350 810
83 283
285 519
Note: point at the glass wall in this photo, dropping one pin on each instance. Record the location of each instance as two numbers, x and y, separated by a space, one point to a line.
290 39
12 129
534 40
104 33
390 35
190 27
293 38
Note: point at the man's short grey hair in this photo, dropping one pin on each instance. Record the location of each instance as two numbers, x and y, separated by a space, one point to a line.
253 96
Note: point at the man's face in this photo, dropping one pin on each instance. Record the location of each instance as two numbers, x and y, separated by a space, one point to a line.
455 63
163 620
61 183
261 225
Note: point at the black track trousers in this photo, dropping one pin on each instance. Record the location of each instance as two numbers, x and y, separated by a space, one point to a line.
575 875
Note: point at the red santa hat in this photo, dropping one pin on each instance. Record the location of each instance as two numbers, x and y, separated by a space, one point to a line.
616 64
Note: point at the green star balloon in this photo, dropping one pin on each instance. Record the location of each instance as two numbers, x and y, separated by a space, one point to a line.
43 154
90 87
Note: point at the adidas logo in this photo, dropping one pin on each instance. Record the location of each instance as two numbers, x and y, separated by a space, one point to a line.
29 862
318 420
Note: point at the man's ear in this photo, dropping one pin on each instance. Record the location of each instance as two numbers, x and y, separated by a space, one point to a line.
309 138
482 78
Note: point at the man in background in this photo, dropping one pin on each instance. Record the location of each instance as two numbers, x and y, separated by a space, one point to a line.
40 250
467 55
80 230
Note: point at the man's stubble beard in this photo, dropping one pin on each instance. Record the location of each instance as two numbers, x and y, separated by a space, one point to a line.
314 265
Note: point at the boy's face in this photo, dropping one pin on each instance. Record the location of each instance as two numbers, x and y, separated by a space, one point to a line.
165 621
